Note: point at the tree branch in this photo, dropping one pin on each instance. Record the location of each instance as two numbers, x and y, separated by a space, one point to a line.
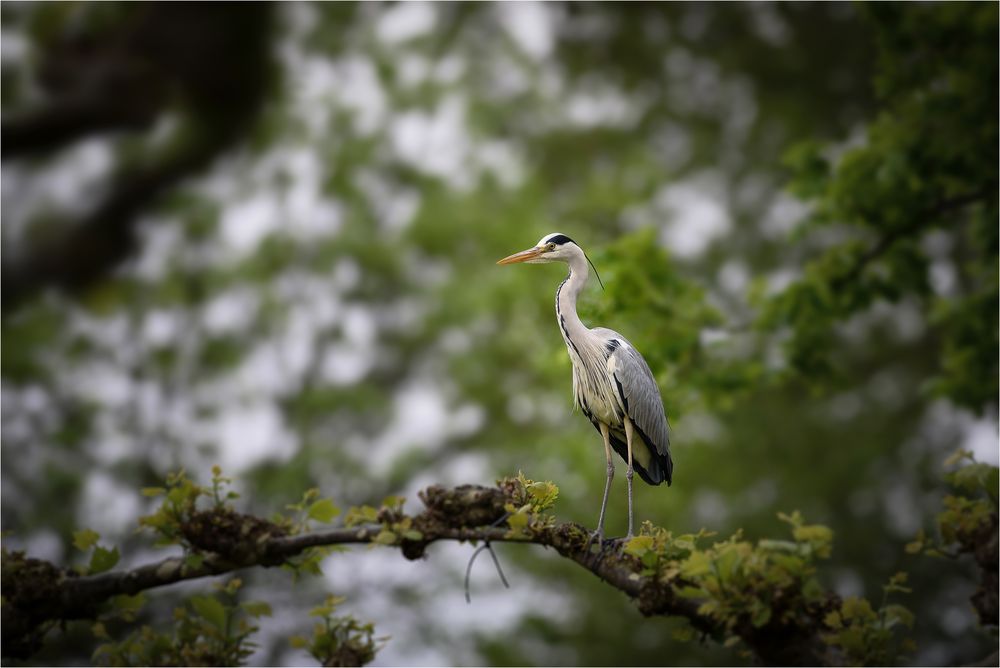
205 62
892 236
104 237
36 592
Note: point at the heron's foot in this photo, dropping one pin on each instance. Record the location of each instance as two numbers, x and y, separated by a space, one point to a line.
617 543
598 537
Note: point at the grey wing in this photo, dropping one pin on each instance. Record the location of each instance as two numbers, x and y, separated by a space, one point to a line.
640 395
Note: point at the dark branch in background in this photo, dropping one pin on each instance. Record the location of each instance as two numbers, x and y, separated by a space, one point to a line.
37 593
892 236
206 62
105 237
70 118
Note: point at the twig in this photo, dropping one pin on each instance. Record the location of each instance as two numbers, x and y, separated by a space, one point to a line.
468 570
496 562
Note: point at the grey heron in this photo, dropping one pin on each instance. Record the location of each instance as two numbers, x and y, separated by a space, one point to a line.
612 383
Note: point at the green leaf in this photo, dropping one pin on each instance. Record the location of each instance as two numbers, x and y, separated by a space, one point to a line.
760 613
852 639
385 537
257 608
518 521
84 539
917 544
637 546
896 614
897 582
856 608
957 457
393 501
210 609
685 541
127 607
975 477
793 564
778 545
102 560
809 168
194 560
728 562
360 515
691 592
813 533
323 511
153 491
321 610
696 565
795 519
813 591
329 605
543 494
819 537
709 607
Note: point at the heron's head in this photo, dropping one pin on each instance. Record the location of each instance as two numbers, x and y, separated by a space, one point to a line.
553 247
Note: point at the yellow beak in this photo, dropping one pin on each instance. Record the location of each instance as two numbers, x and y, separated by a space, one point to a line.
523 256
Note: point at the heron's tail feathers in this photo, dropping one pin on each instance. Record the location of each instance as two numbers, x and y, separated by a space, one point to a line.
652 466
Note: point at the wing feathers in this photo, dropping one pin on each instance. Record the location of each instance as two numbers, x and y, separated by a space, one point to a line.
640 398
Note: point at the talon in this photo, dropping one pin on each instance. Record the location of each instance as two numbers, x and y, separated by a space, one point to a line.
598 536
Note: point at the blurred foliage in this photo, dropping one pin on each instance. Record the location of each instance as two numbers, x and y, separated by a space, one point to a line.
211 630
202 519
774 583
328 287
966 514
339 640
530 500
101 558
929 161
868 637
968 526
670 313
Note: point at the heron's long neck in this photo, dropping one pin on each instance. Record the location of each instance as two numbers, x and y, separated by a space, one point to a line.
573 329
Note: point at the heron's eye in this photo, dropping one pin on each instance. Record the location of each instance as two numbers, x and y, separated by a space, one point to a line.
551 247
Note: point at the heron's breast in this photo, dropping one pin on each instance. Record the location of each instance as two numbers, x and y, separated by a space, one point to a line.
595 397
605 412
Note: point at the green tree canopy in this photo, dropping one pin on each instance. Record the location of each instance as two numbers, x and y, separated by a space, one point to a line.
265 238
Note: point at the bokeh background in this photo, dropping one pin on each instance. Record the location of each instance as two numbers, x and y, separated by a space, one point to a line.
264 237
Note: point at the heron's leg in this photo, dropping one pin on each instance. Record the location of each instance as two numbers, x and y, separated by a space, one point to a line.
629 472
599 534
